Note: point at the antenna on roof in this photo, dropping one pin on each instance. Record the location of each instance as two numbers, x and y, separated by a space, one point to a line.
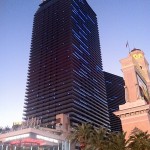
127 46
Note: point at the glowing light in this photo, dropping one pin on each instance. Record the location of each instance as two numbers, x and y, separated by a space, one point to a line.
46 139
27 141
17 137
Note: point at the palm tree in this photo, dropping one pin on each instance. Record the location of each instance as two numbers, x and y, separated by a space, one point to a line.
82 135
1 129
6 129
139 140
117 141
98 139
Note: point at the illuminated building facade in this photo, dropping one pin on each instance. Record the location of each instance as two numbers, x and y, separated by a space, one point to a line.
115 97
65 68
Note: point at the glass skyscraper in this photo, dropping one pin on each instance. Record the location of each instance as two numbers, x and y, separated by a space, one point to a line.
115 96
65 68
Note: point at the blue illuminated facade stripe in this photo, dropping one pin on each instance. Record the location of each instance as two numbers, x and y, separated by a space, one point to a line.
65 67
88 75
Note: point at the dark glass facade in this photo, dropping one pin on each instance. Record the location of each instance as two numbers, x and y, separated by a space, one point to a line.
65 68
115 96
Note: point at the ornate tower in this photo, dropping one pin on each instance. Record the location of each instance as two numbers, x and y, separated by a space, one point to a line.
135 112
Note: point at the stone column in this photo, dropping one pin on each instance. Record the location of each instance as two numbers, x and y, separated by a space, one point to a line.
69 145
126 94
7 147
31 147
66 145
2 147
58 146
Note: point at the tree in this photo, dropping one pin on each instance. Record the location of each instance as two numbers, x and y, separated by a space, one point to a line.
6 129
90 138
98 139
139 140
1 129
82 134
117 141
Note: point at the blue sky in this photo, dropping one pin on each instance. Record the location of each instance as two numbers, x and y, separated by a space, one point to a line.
118 21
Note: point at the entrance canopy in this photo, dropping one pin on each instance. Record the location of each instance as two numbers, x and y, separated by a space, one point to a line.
33 138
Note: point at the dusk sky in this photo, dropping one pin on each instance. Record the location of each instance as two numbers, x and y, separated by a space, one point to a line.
118 20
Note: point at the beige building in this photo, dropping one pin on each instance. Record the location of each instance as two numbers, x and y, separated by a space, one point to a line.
135 112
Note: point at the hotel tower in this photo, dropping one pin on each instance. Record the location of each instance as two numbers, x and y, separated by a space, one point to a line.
65 74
